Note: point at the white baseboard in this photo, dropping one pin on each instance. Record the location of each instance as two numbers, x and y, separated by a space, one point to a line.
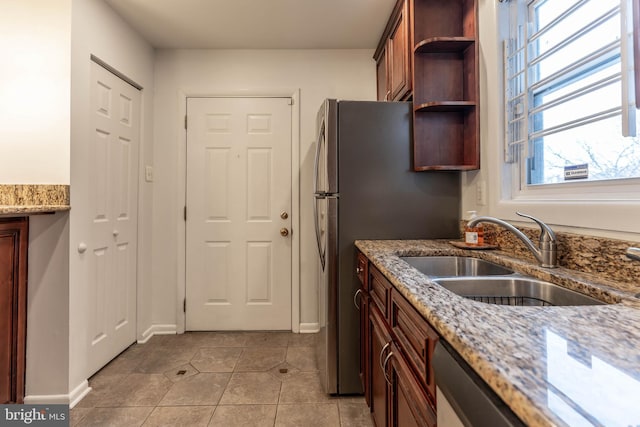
70 399
157 330
47 399
78 393
309 328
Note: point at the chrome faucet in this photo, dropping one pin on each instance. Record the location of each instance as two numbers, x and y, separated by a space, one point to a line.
633 253
546 254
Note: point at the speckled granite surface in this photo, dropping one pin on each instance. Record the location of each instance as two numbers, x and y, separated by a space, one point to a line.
30 199
597 255
551 365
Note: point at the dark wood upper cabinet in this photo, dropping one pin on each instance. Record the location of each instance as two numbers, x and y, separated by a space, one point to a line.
13 308
399 58
393 56
381 75
446 96
429 53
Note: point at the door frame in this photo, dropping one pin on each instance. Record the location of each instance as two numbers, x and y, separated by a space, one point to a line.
181 281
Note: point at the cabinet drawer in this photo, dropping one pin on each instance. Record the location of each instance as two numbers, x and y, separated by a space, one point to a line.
361 268
416 338
380 291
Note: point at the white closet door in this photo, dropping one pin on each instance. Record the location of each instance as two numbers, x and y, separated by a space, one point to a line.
113 198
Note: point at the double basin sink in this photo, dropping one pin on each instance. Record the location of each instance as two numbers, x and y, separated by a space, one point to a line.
491 283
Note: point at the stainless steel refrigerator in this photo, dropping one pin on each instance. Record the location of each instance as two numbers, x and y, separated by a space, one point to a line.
364 188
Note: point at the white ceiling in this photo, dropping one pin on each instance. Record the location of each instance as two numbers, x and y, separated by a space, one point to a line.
257 24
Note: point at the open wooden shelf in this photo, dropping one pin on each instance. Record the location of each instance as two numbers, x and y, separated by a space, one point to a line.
445 85
443 44
445 140
444 106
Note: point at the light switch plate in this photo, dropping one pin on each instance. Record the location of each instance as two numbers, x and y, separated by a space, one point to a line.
481 193
148 173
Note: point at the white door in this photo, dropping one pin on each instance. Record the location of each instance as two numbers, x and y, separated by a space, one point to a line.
113 172
238 266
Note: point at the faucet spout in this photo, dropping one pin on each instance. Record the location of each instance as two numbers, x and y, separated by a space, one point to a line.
546 253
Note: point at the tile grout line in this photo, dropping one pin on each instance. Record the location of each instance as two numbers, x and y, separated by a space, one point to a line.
197 348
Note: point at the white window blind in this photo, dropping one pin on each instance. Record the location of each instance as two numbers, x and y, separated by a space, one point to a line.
567 65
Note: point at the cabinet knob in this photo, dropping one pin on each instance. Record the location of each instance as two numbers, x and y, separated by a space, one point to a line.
115 233
359 270
82 247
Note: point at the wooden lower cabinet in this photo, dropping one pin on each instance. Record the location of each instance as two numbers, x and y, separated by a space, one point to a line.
417 340
362 300
365 355
380 340
396 348
408 404
13 308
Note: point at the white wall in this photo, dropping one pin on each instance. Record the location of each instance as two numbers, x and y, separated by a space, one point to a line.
34 91
99 31
47 365
35 44
319 74
612 219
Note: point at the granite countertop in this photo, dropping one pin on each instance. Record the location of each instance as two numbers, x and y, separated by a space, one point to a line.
7 210
551 365
28 199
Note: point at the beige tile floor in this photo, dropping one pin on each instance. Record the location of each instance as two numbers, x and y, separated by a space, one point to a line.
217 379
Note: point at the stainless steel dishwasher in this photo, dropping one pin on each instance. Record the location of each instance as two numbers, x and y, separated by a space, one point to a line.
463 398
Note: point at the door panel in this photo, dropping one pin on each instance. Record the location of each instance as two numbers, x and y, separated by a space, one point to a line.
238 185
113 197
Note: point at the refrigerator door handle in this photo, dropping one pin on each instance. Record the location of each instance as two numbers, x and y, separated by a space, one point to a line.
316 165
318 236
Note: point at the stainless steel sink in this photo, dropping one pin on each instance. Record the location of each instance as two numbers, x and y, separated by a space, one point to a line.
516 290
447 266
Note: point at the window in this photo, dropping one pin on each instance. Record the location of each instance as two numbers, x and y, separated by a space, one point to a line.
569 93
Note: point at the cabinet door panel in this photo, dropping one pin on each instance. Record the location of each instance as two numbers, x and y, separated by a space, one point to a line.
13 306
409 405
382 77
380 291
380 337
399 60
362 268
365 354
416 338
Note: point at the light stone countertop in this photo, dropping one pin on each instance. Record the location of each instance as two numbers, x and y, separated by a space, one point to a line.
553 366
18 210
28 199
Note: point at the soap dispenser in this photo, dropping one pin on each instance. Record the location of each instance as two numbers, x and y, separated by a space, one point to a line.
474 236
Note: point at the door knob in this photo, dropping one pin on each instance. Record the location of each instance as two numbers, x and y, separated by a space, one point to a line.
284 215
284 232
